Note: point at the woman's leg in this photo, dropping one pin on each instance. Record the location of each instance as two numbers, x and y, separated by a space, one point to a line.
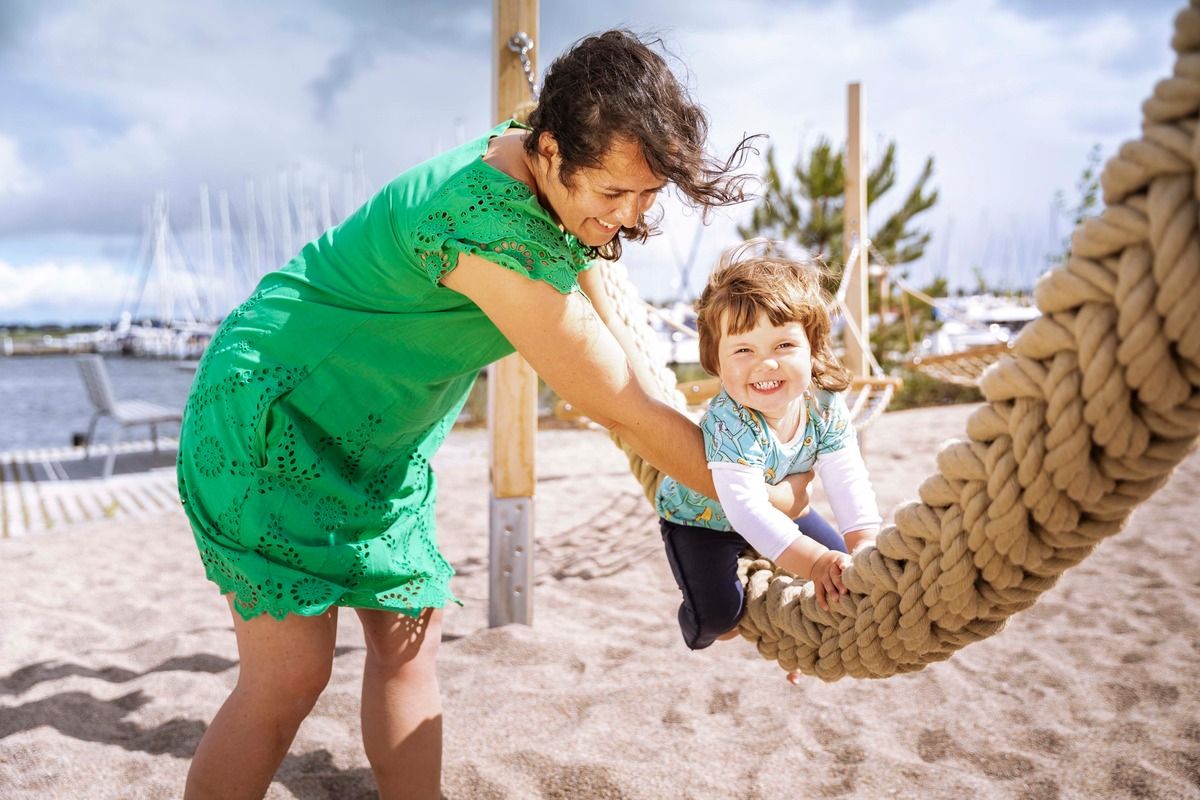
402 703
284 666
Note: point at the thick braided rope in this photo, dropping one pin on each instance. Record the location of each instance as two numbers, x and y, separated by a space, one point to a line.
1097 405
623 301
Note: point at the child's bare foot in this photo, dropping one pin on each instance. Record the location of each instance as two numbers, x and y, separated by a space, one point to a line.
793 677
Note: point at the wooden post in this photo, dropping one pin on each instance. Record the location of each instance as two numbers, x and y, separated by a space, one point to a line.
885 295
854 230
909 332
512 384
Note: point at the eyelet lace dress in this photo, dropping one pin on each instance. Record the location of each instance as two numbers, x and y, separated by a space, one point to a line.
306 440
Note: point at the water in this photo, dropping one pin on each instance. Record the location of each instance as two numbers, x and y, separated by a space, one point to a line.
43 400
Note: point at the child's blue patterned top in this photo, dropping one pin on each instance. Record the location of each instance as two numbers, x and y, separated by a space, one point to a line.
740 435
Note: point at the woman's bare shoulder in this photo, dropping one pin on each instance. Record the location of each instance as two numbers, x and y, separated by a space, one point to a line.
507 153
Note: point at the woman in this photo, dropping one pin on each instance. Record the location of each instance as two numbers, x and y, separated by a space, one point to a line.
304 456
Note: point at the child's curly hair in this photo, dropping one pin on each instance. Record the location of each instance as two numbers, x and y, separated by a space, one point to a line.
752 280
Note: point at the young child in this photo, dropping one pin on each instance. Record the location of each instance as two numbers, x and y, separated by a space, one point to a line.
764 327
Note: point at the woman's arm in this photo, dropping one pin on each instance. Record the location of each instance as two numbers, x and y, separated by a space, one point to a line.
566 343
592 282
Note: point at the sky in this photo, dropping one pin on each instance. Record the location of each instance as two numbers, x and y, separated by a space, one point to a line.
108 104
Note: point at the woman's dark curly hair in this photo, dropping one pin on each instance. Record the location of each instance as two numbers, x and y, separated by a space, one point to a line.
611 86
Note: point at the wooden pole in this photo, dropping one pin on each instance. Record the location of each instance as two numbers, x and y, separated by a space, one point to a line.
909 332
885 296
512 383
854 231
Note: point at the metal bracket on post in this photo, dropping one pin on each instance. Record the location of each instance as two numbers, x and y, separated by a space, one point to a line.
510 561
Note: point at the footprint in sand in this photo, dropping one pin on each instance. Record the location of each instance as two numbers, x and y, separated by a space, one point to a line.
467 781
1132 780
934 745
1121 697
569 780
1165 694
723 702
1003 766
937 744
674 718
1040 789
1175 617
618 654
1044 740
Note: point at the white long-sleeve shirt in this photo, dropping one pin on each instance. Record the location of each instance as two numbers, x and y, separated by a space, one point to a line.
743 494
744 455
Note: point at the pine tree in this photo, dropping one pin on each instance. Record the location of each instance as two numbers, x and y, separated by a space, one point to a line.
1087 203
808 209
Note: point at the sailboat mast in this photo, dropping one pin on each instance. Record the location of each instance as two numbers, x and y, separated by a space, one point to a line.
253 267
162 269
210 272
285 215
227 251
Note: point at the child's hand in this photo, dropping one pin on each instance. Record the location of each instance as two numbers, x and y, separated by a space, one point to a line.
827 577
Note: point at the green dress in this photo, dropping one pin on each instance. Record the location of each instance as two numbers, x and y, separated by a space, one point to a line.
306 440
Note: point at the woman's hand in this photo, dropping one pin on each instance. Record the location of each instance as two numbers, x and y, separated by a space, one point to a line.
791 494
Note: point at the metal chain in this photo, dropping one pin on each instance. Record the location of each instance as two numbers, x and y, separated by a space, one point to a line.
521 44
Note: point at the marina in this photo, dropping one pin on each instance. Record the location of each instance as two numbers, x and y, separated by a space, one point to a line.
47 481
44 403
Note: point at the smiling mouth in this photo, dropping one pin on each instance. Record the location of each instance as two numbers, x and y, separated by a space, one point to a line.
766 386
607 226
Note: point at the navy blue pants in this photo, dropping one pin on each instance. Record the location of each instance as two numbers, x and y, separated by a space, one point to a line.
704 563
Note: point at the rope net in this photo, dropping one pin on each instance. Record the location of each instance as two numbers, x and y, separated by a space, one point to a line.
964 368
1089 415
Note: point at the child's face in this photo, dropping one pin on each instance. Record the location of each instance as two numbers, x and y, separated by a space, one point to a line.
767 367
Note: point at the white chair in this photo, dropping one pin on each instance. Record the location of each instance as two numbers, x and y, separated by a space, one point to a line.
122 412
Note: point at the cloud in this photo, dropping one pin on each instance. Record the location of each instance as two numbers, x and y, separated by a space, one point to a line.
17 17
342 69
381 26
1075 9
56 290
186 99
1007 106
16 177
114 102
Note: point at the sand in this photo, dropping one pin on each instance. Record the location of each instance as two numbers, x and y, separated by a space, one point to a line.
115 653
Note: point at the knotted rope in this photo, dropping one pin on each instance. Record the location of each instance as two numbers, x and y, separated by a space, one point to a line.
1097 405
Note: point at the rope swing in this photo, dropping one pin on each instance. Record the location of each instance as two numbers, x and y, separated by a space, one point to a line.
1096 405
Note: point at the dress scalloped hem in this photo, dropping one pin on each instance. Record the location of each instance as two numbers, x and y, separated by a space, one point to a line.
252 601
